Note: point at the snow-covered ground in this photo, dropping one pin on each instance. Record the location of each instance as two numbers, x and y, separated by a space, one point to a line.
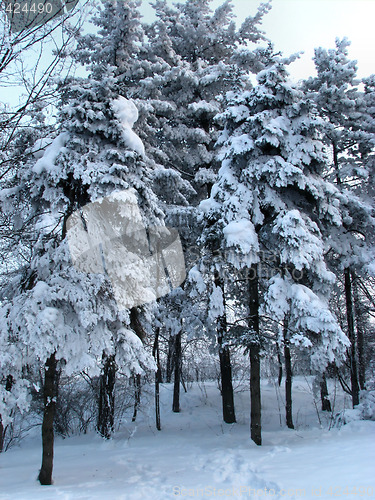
195 455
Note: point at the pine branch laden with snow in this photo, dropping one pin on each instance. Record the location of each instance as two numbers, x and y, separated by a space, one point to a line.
271 195
312 326
348 132
191 67
57 310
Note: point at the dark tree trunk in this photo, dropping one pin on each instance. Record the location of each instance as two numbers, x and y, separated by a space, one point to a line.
225 364
183 381
170 359
49 394
2 434
349 306
288 377
280 364
254 349
361 356
226 385
177 374
137 395
8 387
326 404
106 412
358 309
336 163
136 324
155 352
137 327
351 335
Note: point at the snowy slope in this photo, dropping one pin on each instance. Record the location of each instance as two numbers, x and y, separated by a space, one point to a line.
197 456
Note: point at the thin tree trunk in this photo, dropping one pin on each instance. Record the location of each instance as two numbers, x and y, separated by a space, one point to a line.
279 362
361 356
183 381
336 163
170 359
351 335
360 333
105 425
8 387
177 374
155 352
349 306
225 364
255 397
288 377
137 327
326 403
2 434
50 394
137 395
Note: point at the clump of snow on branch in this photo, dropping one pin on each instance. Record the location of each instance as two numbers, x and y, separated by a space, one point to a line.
130 347
305 247
127 114
241 235
49 154
216 306
195 277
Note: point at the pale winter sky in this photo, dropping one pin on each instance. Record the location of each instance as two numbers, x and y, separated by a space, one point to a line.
299 25
302 25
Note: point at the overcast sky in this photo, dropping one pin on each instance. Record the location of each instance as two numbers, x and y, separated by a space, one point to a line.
302 25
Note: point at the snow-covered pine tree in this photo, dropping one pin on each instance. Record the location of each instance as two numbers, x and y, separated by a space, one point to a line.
270 195
116 45
120 43
339 100
349 134
116 51
197 55
15 249
369 127
56 315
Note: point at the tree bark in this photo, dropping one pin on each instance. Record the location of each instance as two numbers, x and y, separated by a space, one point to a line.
155 352
361 355
358 309
177 374
254 349
280 365
225 364
229 415
8 387
349 306
170 359
326 404
136 325
288 377
336 163
105 425
50 394
351 335
137 395
2 434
